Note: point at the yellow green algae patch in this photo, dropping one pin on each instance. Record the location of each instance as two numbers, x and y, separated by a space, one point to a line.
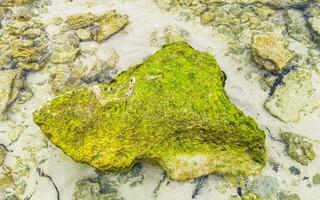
171 110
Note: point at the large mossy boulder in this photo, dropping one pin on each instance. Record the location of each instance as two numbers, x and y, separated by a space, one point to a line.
171 110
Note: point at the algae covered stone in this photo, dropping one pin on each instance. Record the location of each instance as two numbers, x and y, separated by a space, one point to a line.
171 110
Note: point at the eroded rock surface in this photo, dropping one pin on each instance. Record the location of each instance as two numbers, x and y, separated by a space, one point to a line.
172 109
270 52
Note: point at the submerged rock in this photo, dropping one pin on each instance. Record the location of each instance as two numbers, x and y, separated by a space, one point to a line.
250 196
265 186
293 97
316 179
98 28
172 109
109 24
298 147
11 82
78 21
313 13
287 196
270 52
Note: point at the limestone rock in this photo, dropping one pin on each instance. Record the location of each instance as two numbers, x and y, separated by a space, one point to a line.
316 179
270 52
250 196
265 186
109 24
287 196
14 2
298 147
64 54
172 109
313 13
3 154
84 34
65 49
294 97
78 21
11 82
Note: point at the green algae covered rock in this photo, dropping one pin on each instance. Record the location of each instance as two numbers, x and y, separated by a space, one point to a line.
171 110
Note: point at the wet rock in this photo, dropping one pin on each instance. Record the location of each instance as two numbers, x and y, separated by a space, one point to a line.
63 79
23 45
65 49
57 21
297 26
78 21
101 71
15 2
265 186
294 170
3 154
5 182
287 196
106 186
270 51
293 97
316 179
250 196
85 34
188 143
313 13
299 148
11 82
64 54
91 190
109 24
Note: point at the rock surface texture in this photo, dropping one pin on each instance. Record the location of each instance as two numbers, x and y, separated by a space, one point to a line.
270 52
172 110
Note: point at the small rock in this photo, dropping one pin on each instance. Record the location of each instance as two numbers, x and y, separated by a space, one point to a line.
294 170
250 196
313 13
270 52
64 54
287 196
78 21
84 34
293 98
109 24
299 148
57 21
11 82
316 179
3 154
265 186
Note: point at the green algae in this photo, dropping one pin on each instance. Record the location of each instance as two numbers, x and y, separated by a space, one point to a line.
171 110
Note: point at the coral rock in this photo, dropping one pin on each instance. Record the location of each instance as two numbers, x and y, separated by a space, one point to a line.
171 110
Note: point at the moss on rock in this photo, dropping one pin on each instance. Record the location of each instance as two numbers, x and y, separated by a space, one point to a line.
172 110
